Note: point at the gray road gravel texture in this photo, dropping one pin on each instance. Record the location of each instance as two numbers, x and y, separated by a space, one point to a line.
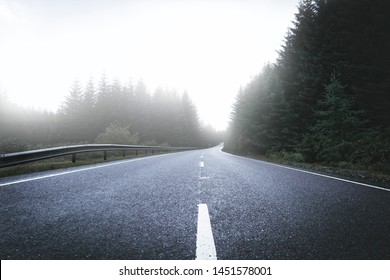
147 209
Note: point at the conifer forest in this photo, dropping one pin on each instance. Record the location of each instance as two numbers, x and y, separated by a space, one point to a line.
326 98
107 113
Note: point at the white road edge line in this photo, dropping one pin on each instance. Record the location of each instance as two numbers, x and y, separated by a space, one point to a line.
312 173
205 247
77 170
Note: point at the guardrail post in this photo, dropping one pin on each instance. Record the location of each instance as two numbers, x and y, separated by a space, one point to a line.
123 153
105 155
73 158
136 152
146 152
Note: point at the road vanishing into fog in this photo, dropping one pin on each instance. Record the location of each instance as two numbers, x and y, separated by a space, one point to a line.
197 204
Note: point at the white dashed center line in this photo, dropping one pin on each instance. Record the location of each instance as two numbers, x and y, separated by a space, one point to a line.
205 247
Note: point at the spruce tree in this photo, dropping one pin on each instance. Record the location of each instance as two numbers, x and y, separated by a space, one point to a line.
103 109
142 111
189 123
339 124
89 114
71 115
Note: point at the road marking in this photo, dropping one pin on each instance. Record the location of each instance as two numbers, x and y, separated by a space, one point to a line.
201 164
205 247
77 170
312 173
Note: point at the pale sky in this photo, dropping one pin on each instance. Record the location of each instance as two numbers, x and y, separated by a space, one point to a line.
208 48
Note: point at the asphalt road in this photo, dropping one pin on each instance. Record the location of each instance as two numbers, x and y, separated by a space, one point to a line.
148 209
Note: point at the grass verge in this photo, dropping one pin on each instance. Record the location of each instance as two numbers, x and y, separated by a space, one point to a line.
373 177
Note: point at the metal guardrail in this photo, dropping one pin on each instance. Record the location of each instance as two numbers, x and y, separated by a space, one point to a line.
11 159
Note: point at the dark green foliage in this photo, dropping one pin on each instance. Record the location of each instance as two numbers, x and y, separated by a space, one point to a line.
298 70
339 126
292 110
355 40
258 118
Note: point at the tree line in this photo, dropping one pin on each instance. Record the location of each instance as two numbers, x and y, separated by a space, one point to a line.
325 99
108 112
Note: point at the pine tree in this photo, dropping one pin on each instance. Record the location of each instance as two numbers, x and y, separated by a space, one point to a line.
73 102
89 101
189 123
103 109
142 111
89 114
128 103
71 114
339 124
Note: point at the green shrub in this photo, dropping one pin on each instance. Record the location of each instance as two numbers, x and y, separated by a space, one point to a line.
286 156
11 145
116 134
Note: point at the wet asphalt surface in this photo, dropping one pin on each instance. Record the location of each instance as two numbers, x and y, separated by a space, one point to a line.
147 209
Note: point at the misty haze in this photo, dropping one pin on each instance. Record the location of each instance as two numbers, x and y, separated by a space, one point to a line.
196 130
